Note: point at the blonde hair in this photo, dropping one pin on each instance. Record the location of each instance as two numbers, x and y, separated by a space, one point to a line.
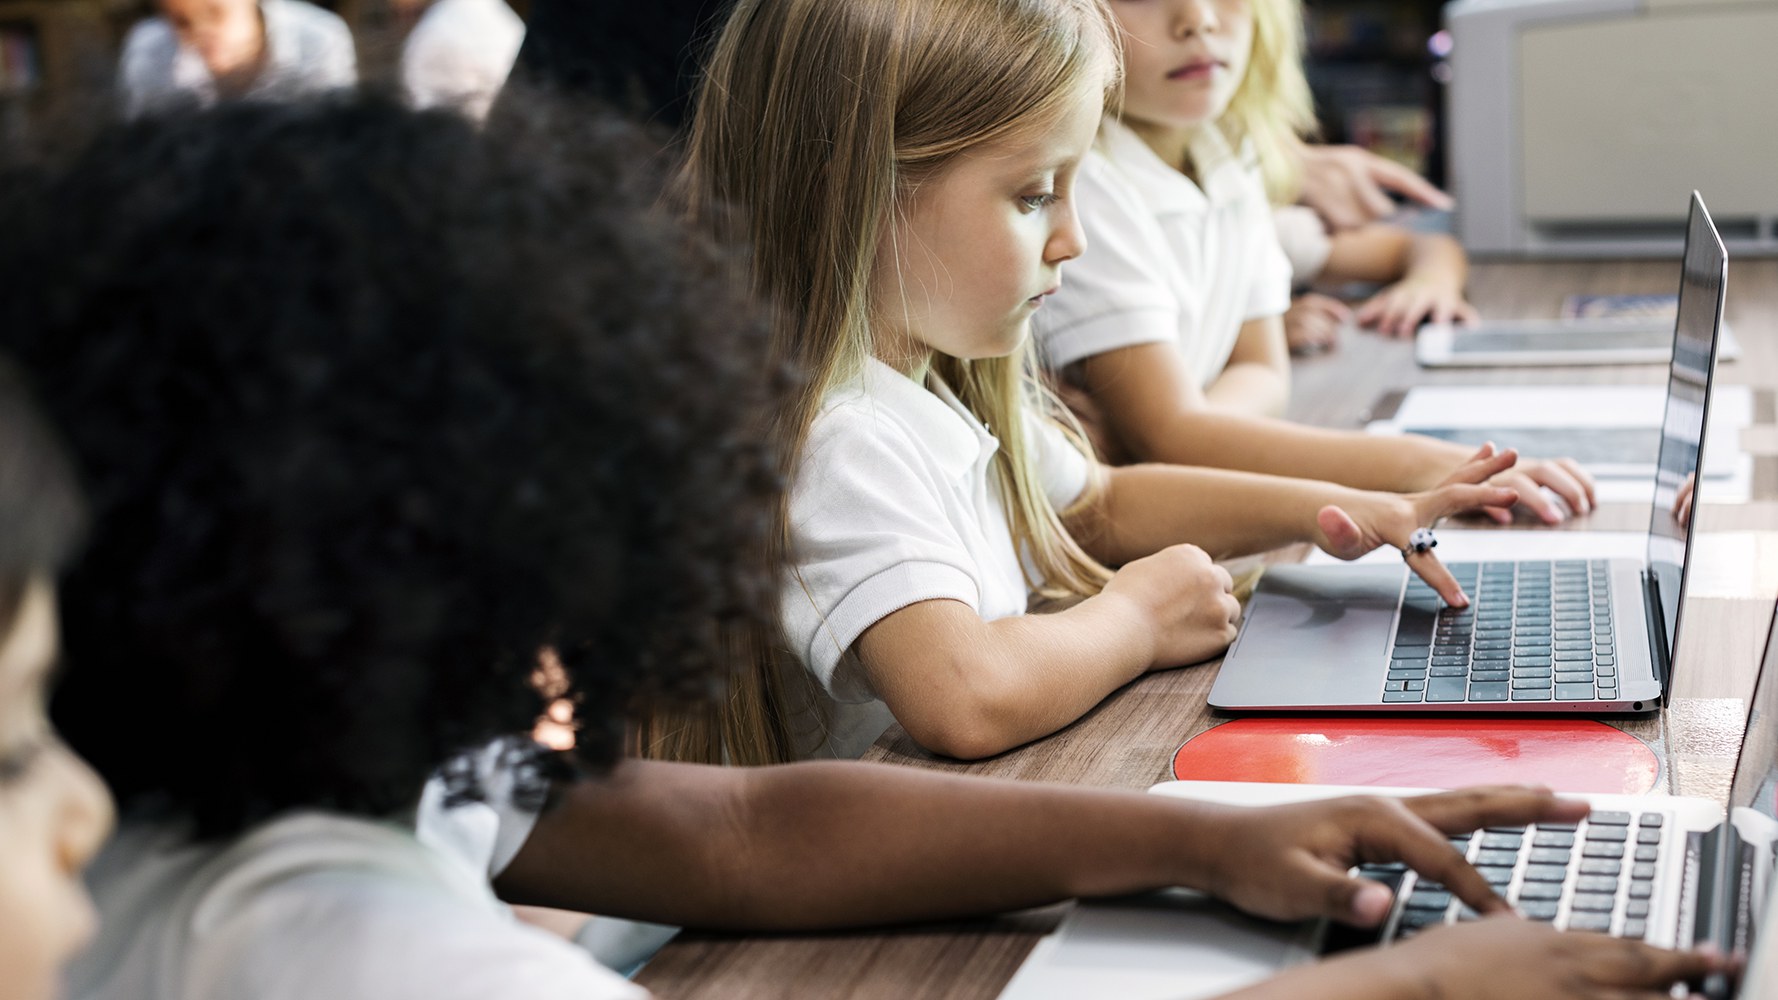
1272 106
815 123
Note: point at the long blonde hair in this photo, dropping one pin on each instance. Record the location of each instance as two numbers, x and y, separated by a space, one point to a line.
1272 106
815 122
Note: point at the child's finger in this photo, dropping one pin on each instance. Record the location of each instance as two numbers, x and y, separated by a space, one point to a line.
1427 567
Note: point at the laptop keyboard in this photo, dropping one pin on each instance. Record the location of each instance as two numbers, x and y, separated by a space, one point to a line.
1534 631
1596 875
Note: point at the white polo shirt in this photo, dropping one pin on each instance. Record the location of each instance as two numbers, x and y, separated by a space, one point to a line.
315 905
307 50
460 55
1166 259
894 502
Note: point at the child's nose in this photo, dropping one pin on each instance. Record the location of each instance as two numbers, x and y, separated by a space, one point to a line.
1194 16
87 815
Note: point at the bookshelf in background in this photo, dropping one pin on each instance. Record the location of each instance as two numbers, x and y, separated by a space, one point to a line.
1376 69
52 50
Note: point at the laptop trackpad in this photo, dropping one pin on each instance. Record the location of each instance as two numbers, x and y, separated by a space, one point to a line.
1172 945
1313 635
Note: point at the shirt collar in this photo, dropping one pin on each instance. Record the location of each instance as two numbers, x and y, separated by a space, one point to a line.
957 440
1162 186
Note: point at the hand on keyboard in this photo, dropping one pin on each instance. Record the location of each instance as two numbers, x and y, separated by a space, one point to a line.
1292 862
1528 960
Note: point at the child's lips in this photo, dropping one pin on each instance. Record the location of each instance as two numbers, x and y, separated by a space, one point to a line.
1196 69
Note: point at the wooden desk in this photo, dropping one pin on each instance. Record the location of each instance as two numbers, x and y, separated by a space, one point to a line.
1129 740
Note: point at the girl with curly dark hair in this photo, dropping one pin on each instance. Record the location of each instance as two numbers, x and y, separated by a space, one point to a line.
378 416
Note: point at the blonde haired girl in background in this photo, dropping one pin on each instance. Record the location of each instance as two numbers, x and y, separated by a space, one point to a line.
1167 338
903 172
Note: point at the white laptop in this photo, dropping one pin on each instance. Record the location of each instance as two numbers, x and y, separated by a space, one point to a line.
1586 636
1587 340
1671 871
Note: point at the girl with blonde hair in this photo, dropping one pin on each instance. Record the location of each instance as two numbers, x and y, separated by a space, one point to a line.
903 173
1168 339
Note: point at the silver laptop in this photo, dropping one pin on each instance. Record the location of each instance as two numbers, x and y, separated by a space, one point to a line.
1565 635
1671 871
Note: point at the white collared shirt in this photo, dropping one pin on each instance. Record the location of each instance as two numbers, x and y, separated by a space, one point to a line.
1166 260
894 502
315 905
307 50
460 55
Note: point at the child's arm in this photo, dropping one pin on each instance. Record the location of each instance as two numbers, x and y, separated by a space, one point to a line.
1255 381
970 688
839 844
1426 272
842 845
1151 405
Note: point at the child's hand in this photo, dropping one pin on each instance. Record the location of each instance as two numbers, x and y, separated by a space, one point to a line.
1529 960
1188 600
1682 503
1313 322
1369 519
1529 478
1399 309
1291 862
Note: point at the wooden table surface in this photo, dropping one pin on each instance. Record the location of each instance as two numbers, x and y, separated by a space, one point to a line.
1130 739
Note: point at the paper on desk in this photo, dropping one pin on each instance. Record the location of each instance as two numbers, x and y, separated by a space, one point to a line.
1460 545
1583 414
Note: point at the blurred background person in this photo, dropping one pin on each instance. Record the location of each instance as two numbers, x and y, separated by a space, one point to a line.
202 51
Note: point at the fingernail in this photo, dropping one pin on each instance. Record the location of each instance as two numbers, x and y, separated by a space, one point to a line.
1462 600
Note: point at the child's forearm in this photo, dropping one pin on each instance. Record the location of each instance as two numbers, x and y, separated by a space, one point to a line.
1253 390
968 688
834 845
1228 514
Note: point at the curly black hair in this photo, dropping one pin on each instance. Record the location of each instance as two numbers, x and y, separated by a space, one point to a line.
41 512
371 407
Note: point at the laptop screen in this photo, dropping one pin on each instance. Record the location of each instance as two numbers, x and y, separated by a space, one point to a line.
1702 276
1756 773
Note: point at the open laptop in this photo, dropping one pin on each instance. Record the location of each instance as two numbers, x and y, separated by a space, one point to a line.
1548 342
1671 871
1566 635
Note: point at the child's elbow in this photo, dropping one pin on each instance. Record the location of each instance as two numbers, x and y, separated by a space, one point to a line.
981 721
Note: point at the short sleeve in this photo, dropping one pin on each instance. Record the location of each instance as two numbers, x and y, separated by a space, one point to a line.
359 935
332 63
487 833
144 68
1304 240
1115 294
869 536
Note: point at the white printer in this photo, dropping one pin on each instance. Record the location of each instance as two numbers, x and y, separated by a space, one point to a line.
1576 127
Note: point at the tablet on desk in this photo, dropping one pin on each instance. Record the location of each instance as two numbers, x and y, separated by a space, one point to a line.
1578 341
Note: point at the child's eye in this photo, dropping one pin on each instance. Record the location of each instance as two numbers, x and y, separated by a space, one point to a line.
1036 202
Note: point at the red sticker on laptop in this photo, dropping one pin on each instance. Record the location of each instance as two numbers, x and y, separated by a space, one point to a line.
1568 755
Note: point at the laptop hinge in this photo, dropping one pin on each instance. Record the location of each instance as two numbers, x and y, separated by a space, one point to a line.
1657 633
1720 916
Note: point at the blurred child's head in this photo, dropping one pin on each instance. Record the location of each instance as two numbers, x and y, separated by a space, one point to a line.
1236 64
893 166
229 35
53 810
373 408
